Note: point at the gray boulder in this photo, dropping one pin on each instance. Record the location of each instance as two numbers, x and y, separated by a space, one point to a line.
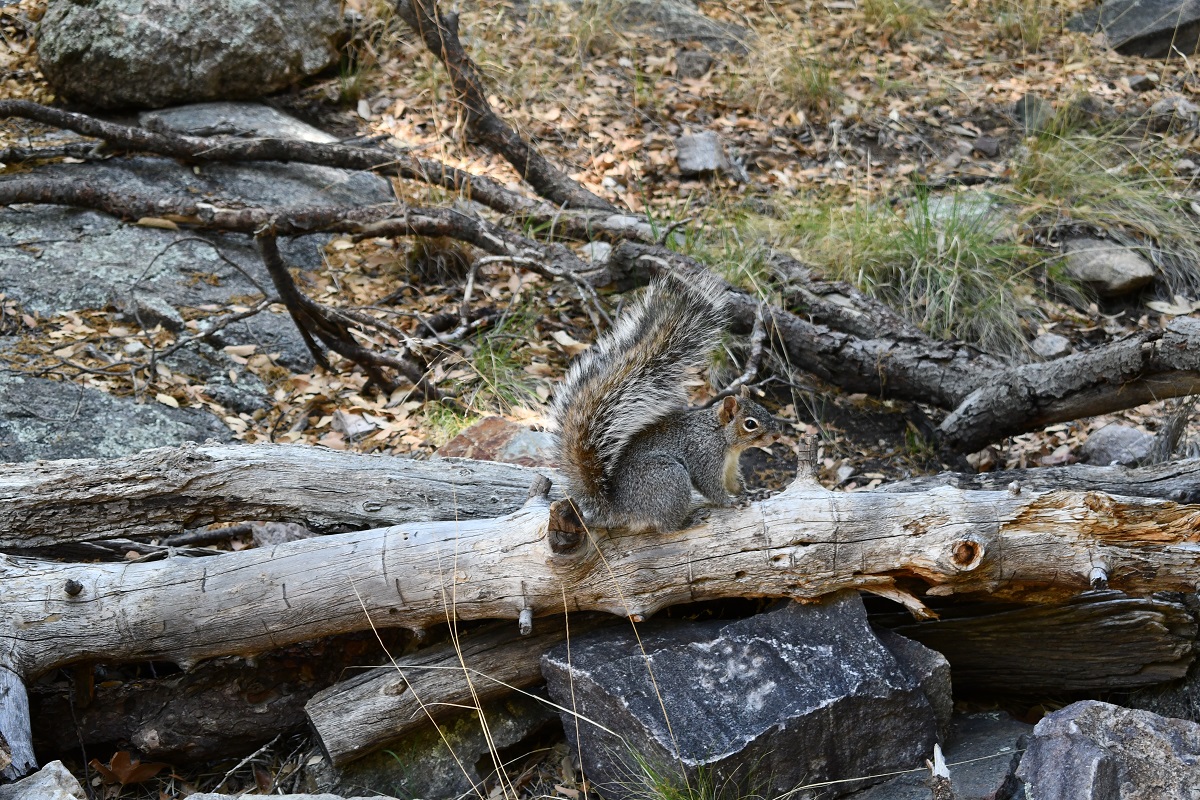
153 53
1118 444
978 743
1034 114
1098 751
1147 28
797 695
275 334
692 63
1051 346
1109 268
53 258
682 21
701 154
51 782
225 380
1173 112
233 119
41 418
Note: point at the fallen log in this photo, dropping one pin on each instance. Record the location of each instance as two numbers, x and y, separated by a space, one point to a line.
1174 480
160 492
366 712
803 543
1098 641
223 708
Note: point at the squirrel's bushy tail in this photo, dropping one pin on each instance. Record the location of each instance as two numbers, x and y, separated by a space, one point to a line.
633 378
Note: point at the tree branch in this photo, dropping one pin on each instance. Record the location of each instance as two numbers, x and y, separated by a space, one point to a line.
439 32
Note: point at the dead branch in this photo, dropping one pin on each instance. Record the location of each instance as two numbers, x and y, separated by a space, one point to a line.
127 139
333 327
987 402
439 32
584 224
1177 480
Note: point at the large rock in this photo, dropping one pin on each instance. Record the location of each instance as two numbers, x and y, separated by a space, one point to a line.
1109 268
798 695
235 119
1148 28
225 380
1098 751
51 782
701 154
977 747
275 334
1118 444
54 259
152 53
41 418
682 21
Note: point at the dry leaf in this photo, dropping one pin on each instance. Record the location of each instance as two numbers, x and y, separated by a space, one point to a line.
167 400
158 222
124 769
568 344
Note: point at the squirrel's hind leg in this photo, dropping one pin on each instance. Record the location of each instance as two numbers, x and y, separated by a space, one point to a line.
655 493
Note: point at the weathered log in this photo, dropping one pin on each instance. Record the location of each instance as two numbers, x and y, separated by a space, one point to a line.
1147 366
224 707
365 712
803 543
1175 480
1100 640
161 492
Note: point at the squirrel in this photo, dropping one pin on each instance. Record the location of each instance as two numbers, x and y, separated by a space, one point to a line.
629 446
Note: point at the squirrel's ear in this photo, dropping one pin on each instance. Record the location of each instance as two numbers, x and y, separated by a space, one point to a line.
745 392
728 410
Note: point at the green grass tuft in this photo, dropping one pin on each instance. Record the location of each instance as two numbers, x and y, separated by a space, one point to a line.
1098 180
949 264
901 19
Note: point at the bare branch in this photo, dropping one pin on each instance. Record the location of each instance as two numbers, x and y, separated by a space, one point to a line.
439 32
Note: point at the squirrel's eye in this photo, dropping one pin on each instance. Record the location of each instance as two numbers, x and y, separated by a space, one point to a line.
750 424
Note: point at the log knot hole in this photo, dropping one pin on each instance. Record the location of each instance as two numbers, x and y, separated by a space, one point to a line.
566 531
966 554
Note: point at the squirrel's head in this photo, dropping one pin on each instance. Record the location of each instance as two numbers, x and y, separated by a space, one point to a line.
746 423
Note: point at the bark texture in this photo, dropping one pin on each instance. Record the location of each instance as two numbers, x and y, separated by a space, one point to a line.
160 492
803 543
367 711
